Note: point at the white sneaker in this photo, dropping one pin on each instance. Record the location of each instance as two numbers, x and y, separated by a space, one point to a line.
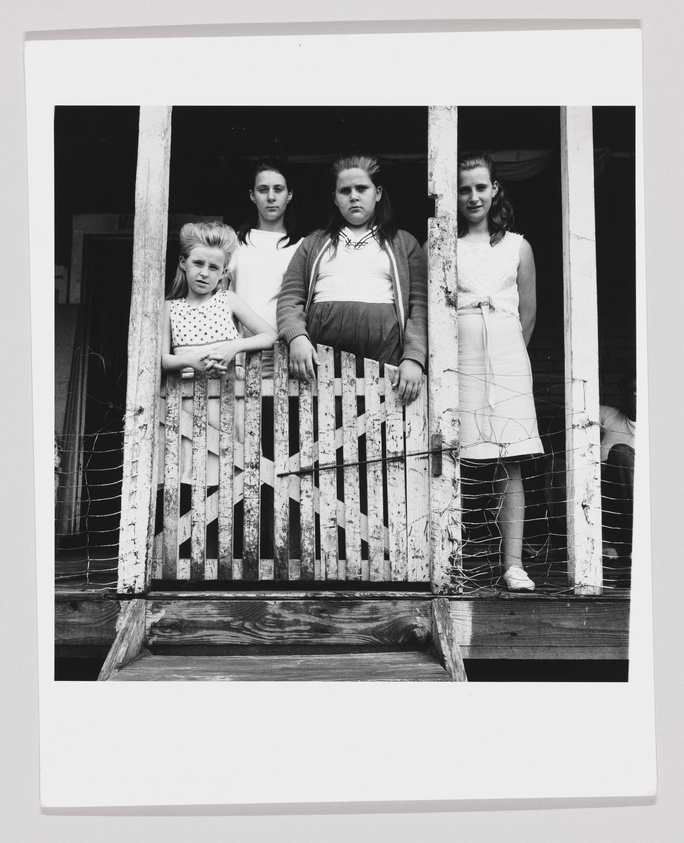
517 580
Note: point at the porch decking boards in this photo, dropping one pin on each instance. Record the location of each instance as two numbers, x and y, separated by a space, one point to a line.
494 625
304 667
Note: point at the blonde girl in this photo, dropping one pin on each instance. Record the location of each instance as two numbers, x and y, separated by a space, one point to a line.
200 316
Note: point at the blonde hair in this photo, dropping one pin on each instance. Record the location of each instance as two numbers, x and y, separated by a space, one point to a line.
214 235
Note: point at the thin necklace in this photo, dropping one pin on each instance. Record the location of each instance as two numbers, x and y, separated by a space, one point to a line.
348 243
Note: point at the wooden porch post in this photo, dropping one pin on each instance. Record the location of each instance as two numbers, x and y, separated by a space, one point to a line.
445 489
581 352
138 494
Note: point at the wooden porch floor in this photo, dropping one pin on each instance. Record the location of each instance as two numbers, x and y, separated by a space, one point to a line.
489 624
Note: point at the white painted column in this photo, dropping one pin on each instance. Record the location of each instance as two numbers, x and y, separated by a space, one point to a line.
138 496
445 488
581 352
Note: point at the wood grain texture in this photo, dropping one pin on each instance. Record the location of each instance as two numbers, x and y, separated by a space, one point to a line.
251 489
226 520
281 463
396 479
327 480
307 521
129 641
377 567
288 622
444 640
541 629
344 667
531 627
445 491
85 622
139 487
198 534
351 570
171 475
417 489
582 433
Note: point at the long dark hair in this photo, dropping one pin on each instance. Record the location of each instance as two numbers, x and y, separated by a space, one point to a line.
291 236
500 218
383 218
215 235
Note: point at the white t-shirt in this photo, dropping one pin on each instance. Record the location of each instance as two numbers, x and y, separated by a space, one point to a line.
359 273
257 271
616 428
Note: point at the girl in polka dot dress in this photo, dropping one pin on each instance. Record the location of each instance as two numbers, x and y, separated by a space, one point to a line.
199 326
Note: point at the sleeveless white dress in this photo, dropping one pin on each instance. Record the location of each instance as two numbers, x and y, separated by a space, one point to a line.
496 404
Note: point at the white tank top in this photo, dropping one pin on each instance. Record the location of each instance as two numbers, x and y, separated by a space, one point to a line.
489 274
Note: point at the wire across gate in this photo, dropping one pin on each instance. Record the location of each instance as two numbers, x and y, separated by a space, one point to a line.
293 481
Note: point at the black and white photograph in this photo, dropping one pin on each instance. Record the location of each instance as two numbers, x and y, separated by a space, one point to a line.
430 478
343 419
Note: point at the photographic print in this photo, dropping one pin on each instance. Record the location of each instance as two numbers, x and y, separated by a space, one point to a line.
310 528
345 394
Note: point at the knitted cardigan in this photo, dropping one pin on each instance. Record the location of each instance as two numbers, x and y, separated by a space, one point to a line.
409 277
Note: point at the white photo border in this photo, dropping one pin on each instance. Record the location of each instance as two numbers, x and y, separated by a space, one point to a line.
224 743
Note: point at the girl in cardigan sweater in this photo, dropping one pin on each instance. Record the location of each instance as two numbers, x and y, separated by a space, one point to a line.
360 285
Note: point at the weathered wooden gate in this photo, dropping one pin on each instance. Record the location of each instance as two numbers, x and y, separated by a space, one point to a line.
341 455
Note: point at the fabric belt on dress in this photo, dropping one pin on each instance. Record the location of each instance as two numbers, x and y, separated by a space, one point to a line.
485 413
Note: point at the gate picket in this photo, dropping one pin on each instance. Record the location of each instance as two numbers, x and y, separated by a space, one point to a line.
307 521
251 489
171 477
281 464
350 449
377 569
226 475
417 490
396 479
199 479
327 479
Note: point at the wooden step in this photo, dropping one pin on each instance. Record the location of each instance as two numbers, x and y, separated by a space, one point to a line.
409 666
208 621
291 640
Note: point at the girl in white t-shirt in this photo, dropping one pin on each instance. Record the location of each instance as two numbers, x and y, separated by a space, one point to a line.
266 246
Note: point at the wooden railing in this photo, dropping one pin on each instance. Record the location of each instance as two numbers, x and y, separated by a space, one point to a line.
333 487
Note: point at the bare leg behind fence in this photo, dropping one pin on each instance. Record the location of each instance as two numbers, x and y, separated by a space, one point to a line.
508 486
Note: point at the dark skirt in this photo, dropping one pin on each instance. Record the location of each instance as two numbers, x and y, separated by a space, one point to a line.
361 328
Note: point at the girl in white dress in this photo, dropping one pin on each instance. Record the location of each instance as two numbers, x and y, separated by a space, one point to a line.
496 316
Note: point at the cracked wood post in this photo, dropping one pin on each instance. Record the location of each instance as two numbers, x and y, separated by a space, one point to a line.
581 352
445 491
138 494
